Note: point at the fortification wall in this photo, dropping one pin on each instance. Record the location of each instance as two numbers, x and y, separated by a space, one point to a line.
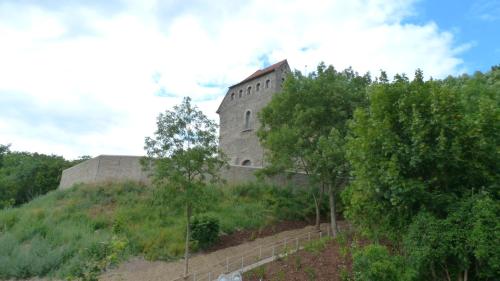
104 168
241 174
108 168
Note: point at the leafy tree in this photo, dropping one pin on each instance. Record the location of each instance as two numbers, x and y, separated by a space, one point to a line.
304 127
183 155
420 155
4 149
24 175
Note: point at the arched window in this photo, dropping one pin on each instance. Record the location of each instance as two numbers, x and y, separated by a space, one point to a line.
240 93
249 90
232 96
257 88
267 83
247 119
246 163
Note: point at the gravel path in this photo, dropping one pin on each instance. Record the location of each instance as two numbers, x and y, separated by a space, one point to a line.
140 269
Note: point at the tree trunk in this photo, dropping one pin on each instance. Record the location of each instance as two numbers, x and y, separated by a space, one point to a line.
186 252
316 205
333 219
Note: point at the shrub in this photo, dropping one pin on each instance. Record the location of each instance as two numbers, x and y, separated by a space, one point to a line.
205 230
375 263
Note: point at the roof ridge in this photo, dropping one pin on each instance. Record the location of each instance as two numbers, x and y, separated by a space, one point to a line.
261 72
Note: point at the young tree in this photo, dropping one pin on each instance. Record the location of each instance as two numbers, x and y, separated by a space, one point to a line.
304 127
183 156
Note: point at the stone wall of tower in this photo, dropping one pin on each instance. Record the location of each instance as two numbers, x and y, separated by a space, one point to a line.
240 143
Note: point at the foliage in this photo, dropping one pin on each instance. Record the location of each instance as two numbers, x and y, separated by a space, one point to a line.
205 230
183 156
374 262
465 241
24 175
69 232
425 160
317 246
304 127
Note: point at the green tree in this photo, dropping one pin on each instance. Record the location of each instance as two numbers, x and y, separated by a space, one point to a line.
420 154
25 175
4 149
304 127
183 156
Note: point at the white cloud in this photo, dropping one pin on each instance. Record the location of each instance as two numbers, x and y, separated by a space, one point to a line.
78 59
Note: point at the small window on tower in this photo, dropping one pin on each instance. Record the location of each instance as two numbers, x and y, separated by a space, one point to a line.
232 96
246 163
257 88
267 83
249 90
240 93
247 119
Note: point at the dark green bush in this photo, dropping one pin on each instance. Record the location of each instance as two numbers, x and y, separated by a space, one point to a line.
205 230
375 263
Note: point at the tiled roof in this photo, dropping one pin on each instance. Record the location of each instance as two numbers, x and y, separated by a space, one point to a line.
261 72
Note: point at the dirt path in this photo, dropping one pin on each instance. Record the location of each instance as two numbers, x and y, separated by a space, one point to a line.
140 269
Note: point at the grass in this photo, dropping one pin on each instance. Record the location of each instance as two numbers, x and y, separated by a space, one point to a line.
76 233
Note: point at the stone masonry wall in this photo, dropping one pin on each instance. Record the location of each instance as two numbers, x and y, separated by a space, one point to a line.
237 141
106 168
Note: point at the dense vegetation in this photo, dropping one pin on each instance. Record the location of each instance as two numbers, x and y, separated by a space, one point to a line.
24 175
419 162
78 232
304 128
425 164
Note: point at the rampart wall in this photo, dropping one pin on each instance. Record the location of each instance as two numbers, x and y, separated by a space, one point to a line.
110 168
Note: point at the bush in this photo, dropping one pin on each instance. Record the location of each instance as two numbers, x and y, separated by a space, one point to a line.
205 230
375 263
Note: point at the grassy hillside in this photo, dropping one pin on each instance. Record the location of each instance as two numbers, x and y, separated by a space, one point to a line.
76 233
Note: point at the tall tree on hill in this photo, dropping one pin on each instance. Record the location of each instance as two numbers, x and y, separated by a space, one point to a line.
305 126
425 158
183 156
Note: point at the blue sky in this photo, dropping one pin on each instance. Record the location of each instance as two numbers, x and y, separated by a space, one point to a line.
475 23
89 77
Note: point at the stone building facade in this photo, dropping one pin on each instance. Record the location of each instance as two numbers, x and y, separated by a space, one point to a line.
238 114
237 138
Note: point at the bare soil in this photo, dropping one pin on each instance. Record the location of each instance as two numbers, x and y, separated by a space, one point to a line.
333 263
243 236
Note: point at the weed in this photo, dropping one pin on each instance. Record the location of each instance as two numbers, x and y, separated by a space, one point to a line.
344 274
311 273
280 276
258 273
317 246
70 233
297 262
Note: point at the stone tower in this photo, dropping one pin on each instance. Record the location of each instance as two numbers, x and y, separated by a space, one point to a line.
238 114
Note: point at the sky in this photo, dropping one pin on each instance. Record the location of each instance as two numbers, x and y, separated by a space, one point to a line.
90 77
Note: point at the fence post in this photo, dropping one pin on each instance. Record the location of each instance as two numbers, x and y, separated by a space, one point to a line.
273 252
210 276
242 262
284 244
260 252
309 236
194 276
320 234
227 264
297 243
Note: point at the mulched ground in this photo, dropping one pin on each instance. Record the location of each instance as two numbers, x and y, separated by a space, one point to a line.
240 237
333 263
